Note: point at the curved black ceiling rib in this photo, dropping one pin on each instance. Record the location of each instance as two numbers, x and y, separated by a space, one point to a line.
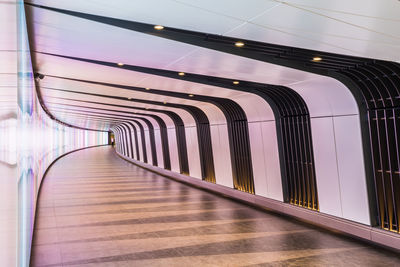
136 141
142 137
237 131
116 116
128 137
152 139
179 128
124 136
160 122
280 98
374 84
51 116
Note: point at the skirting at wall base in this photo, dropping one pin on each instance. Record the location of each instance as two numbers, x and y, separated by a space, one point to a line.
360 231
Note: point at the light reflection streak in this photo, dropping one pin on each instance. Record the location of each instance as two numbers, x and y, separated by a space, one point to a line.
29 142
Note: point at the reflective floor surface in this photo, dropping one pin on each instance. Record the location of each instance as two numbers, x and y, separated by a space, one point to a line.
96 209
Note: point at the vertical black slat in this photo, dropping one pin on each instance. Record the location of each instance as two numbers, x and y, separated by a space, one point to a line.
182 149
121 139
295 133
204 134
289 163
136 140
143 137
204 140
396 180
152 140
130 141
291 166
311 167
295 153
165 147
233 146
153 146
239 144
383 160
303 162
376 160
126 140
392 162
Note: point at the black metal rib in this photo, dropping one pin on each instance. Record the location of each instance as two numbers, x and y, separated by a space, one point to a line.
143 137
160 122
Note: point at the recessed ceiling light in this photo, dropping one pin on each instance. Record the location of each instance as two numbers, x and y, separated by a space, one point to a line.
147 108
317 59
147 88
158 27
181 74
239 44
165 102
191 95
235 82
120 64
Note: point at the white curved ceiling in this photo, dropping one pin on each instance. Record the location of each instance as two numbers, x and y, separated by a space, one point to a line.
361 28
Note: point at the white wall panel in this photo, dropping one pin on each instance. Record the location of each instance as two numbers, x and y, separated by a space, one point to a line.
259 163
270 143
351 169
326 169
222 156
193 152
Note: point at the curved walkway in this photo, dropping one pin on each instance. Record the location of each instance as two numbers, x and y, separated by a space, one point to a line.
96 209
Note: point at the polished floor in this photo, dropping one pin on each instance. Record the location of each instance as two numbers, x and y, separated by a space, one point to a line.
96 209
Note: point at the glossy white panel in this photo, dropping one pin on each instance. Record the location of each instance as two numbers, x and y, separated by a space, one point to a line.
270 145
351 169
9 61
222 157
8 27
258 159
326 167
193 152
173 150
326 97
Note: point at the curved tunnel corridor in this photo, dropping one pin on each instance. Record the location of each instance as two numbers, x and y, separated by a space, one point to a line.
96 209
196 133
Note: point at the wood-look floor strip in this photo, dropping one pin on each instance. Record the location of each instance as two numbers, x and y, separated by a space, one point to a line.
96 209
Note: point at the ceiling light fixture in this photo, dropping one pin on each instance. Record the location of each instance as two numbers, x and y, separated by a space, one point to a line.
239 44
316 59
191 95
165 102
120 64
147 88
181 73
158 27
235 82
